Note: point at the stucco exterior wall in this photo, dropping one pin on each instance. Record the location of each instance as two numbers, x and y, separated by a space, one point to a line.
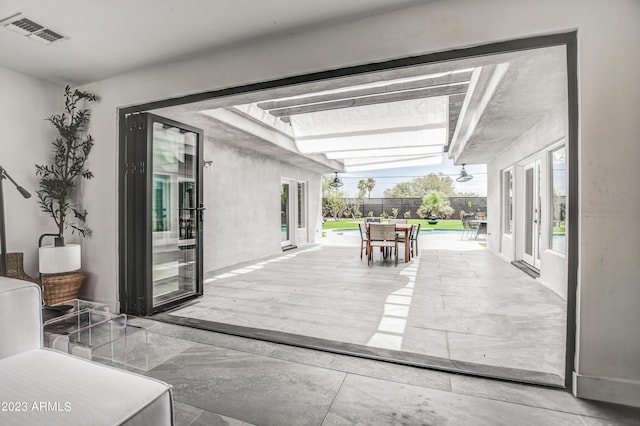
608 42
242 197
549 131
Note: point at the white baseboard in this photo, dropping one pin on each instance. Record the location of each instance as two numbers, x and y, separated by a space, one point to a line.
618 391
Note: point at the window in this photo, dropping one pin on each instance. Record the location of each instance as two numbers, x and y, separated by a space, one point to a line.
507 187
557 240
302 205
160 211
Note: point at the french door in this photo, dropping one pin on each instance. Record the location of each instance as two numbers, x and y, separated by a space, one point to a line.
161 214
287 228
532 213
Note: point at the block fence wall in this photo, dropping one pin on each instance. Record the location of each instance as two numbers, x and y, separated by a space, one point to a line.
385 205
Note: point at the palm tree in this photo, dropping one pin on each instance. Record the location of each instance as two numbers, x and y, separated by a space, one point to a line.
362 188
371 183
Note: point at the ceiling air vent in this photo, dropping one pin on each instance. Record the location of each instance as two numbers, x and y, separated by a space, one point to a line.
27 27
46 36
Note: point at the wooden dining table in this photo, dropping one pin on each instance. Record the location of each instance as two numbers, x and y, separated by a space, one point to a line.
406 228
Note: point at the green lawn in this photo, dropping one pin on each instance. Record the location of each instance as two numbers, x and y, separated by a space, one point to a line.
353 223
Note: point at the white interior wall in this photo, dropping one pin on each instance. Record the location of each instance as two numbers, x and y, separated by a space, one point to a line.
608 42
242 198
26 140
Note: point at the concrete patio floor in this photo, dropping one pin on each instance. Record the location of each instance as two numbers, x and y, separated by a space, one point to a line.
219 379
455 306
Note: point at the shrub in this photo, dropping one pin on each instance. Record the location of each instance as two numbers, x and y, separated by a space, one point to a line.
435 205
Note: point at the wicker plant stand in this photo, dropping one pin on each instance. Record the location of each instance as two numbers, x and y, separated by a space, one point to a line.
58 288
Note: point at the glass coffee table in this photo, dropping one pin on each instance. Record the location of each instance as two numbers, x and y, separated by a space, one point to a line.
89 330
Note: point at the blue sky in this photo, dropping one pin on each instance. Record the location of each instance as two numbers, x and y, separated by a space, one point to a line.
389 177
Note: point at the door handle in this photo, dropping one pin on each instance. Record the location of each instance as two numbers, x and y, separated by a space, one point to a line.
201 210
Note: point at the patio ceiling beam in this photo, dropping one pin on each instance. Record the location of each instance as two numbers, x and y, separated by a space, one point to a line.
455 106
458 88
449 79
385 152
374 131
381 160
432 137
417 161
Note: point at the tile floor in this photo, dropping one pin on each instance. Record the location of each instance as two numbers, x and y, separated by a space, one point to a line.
220 379
455 301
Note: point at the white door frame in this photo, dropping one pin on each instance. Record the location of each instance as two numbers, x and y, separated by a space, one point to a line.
291 222
302 233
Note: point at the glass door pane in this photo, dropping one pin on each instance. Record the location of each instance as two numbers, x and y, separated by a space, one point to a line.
538 217
558 201
528 209
532 215
284 214
174 213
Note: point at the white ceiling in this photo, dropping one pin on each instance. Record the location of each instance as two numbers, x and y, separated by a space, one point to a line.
111 37
108 38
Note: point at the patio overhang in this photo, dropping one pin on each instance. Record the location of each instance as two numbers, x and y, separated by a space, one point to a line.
389 123
472 109
505 99
236 128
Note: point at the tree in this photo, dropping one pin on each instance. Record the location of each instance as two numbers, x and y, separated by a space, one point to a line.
435 204
371 183
420 186
362 188
334 201
59 180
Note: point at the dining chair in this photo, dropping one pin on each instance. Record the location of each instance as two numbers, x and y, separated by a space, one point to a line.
468 226
394 221
415 233
383 236
410 241
364 239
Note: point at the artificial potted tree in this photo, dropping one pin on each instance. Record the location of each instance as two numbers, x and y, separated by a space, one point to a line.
58 197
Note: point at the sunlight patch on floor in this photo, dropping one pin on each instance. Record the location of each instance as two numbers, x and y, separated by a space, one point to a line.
392 325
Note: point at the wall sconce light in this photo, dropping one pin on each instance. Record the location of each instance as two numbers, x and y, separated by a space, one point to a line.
207 164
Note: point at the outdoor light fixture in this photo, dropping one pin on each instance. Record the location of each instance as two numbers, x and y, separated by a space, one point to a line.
336 182
464 176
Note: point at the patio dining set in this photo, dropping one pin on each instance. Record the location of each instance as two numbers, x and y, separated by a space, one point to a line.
473 224
388 236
